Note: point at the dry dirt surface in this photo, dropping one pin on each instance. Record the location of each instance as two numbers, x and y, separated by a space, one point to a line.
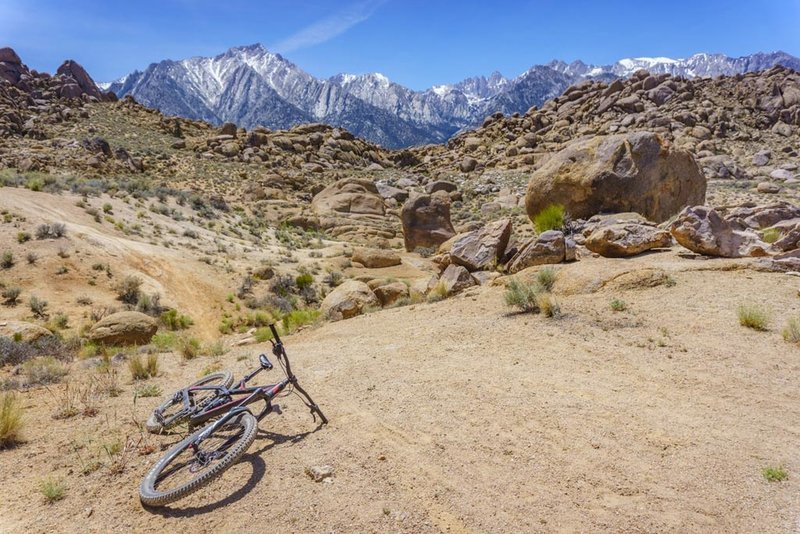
460 417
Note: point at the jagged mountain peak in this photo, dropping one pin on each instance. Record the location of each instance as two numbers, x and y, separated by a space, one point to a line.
252 86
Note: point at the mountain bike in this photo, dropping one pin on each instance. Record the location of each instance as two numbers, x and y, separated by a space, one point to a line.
206 453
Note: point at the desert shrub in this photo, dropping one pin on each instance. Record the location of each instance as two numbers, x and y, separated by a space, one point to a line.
550 218
10 419
34 184
283 285
775 474
770 235
333 278
297 318
189 347
128 289
98 312
546 277
304 280
143 368
51 231
164 341
246 287
38 306
59 322
522 295
618 305
791 332
259 318
11 295
191 234
52 490
753 316
31 258
7 260
425 252
147 390
23 237
437 292
43 370
176 321
215 349
548 305
13 352
108 208
149 304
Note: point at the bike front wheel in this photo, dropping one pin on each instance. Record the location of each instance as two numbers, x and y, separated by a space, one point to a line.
173 406
193 463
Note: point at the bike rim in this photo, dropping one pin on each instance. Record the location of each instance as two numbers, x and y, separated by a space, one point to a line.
189 464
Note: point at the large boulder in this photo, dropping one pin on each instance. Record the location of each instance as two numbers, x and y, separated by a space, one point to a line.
481 250
73 70
426 220
351 195
701 229
348 300
123 328
456 278
23 331
548 247
352 209
628 172
390 293
375 258
620 240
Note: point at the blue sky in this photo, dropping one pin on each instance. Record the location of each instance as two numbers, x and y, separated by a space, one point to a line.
418 43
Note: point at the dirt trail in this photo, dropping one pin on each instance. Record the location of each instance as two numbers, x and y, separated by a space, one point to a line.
458 417
190 286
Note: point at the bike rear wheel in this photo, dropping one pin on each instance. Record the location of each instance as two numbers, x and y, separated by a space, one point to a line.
183 470
174 404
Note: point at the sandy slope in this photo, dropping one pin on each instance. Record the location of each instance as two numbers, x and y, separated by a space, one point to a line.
459 417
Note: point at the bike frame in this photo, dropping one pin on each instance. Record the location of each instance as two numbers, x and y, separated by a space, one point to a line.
249 395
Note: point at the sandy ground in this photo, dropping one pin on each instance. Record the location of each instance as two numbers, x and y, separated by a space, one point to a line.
460 417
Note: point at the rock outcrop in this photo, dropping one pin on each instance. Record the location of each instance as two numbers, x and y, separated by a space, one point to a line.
701 229
375 258
549 247
348 300
426 220
620 240
123 328
482 249
620 173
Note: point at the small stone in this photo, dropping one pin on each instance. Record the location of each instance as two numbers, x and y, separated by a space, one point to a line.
318 473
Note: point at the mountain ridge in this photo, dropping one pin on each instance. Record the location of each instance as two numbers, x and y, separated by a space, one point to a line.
251 86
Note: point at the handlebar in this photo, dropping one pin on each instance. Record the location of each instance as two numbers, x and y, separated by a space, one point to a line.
275 334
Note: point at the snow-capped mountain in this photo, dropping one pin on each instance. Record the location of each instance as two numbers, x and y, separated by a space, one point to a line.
251 86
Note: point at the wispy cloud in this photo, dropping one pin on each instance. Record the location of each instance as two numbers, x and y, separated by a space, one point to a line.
329 27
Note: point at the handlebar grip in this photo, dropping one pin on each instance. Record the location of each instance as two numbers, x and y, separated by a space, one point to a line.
275 333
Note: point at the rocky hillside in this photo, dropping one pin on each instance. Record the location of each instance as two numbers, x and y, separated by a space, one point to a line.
742 127
251 86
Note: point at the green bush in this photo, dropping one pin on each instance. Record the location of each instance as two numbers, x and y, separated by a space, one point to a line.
523 295
550 218
791 332
297 318
11 294
546 277
618 305
304 280
142 369
23 237
52 490
10 419
176 321
189 347
7 260
770 235
753 316
775 474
